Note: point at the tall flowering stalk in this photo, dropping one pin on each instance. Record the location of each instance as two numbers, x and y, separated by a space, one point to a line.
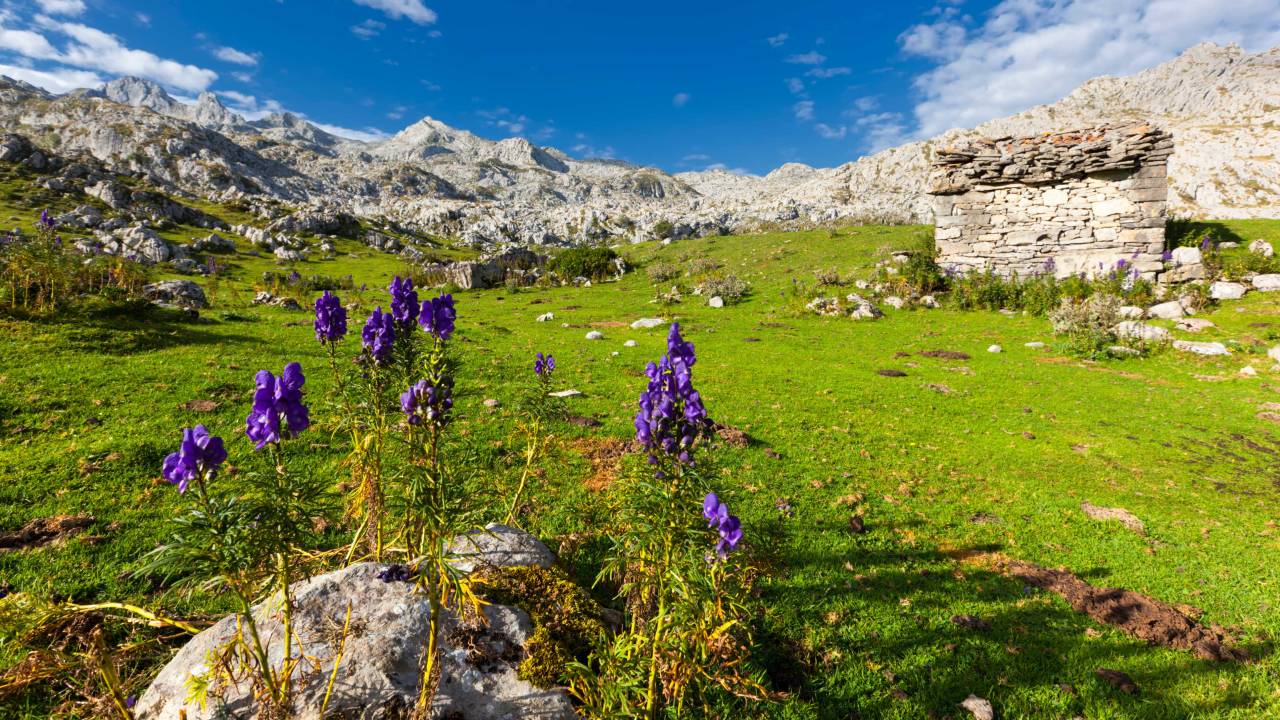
434 510
245 538
536 440
684 627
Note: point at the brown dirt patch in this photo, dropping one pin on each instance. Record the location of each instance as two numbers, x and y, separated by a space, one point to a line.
1124 517
44 531
1138 615
200 405
946 354
732 436
605 456
890 372
608 324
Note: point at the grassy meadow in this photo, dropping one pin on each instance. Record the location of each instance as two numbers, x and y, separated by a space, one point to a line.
953 464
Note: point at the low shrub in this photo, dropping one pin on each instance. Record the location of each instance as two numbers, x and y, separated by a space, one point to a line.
729 288
593 263
661 272
663 229
704 265
1088 324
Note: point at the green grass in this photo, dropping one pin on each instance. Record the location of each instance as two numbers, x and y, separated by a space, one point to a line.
851 625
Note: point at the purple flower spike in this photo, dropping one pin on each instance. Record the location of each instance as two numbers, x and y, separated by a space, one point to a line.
331 318
404 301
200 454
378 335
719 519
543 365
425 402
671 415
46 220
275 397
439 316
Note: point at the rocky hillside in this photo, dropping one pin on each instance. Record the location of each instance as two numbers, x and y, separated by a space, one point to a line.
1219 102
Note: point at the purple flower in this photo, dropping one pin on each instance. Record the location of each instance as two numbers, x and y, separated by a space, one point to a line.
275 397
404 301
331 318
200 454
1121 264
671 412
395 573
719 519
46 220
378 335
426 402
294 277
1167 255
1206 243
438 316
544 365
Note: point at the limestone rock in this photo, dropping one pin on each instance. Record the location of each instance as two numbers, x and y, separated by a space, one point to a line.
595 335
1171 310
995 349
716 302
1266 283
645 323
1194 325
1201 348
499 546
629 343
546 317
182 293
1227 291
1132 312
980 709
1261 247
1141 331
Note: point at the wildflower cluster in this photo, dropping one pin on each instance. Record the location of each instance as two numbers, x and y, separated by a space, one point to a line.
197 458
438 317
426 403
331 318
378 336
275 399
719 519
671 414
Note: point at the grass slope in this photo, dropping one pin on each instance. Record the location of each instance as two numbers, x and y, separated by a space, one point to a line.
956 462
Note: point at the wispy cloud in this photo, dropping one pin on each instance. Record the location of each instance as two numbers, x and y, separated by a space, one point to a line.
368 29
680 99
777 40
813 57
62 7
803 110
828 72
234 56
411 10
829 132
59 80
795 85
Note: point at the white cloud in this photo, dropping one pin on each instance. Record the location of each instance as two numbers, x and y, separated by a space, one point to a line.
244 77
795 85
803 110
680 99
866 104
368 29
882 130
28 44
831 133
369 134
234 56
94 49
828 72
584 150
1029 52
777 40
62 7
57 81
397 112
143 19
813 57
412 10
431 86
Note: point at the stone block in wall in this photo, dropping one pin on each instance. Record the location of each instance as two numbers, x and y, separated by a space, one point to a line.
1112 207
1152 194
950 221
1152 171
1142 236
1054 197
946 233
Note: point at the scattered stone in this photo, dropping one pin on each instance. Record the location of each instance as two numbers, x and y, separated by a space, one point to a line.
564 394
498 546
1171 310
716 302
1201 348
1122 351
43 531
930 301
890 372
970 622
1266 283
182 293
940 388
895 302
732 436
202 406
1189 255
1248 371
1119 681
1228 245
1141 331
646 323
1227 291
546 317
995 349
629 343
1124 517
492 403
1036 345
1261 247
980 708
595 335
1132 312
1194 325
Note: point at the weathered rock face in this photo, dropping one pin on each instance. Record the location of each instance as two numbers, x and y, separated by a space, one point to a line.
378 673
182 293
1072 202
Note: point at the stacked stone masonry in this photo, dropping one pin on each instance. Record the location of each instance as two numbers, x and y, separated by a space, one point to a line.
1072 202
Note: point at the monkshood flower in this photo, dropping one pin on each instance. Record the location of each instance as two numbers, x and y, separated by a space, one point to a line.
544 365
378 335
404 301
395 573
46 220
199 455
331 318
275 399
671 411
438 316
720 520
426 402
294 277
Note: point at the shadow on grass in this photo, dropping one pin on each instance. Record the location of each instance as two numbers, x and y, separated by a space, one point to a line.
1180 232
885 643
133 327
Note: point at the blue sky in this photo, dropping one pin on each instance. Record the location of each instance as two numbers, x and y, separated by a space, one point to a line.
744 85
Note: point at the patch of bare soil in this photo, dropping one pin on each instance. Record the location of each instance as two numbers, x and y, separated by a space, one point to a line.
605 456
732 436
890 372
946 354
1124 517
44 531
1138 615
200 405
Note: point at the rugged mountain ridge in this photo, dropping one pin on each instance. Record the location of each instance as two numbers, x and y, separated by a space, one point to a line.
1219 102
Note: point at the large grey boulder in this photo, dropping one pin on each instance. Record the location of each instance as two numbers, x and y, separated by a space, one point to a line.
1266 283
377 677
1171 310
182 293
474 275
1261 247
144 244
1227 291
1201 348
1141 331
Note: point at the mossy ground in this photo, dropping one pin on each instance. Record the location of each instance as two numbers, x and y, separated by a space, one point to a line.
956 459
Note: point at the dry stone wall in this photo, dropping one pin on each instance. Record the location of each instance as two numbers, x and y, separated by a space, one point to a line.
1082 201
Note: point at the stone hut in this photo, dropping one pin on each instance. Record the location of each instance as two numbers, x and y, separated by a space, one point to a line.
1069 202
